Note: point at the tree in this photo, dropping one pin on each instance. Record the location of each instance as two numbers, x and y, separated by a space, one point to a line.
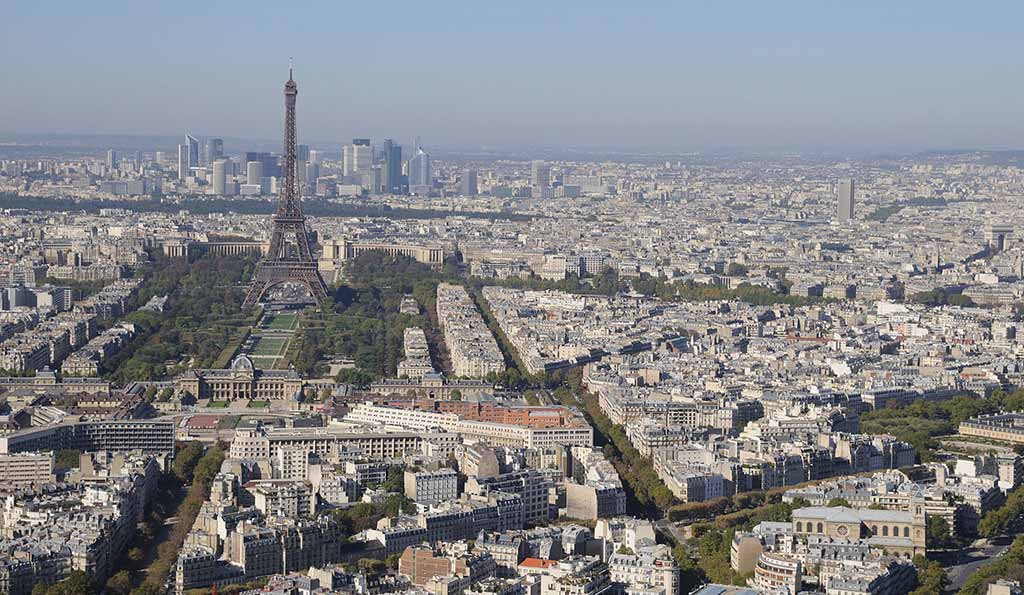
1005 518
355 376
185 461
395 481
372 566
961 300
396 504
66 459
359 517
931 576
77 583
838 502
120 583
736 269
209 466
937 533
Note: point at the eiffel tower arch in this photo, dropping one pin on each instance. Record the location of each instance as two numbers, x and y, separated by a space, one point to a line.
284 262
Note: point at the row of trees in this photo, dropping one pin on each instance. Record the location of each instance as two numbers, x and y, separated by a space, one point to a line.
233 589
942 297
645 491
730 508
79 289
514 376
200 471
152 529
609 283
192 464
78 582
1008 518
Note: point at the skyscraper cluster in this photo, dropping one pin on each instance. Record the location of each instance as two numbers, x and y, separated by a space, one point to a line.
365 168
383 171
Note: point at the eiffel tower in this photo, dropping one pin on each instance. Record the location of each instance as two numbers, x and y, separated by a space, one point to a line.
285 263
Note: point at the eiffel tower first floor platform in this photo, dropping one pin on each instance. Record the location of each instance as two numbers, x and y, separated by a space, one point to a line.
275 272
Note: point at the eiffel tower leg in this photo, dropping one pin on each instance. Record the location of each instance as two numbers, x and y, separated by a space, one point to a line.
317 287
252 297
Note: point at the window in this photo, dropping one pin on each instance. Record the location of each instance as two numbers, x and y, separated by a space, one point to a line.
885 530
821 528
799 526
906 531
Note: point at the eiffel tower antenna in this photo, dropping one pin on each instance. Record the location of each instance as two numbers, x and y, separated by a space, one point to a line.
283 263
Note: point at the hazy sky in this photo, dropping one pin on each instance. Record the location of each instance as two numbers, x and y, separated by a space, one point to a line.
859 74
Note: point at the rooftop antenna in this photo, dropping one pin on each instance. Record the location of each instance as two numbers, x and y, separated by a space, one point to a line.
290 65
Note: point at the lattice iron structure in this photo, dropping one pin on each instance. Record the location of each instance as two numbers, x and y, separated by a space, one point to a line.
288 263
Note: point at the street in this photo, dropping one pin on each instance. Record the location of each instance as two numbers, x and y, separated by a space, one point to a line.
671 528
973 557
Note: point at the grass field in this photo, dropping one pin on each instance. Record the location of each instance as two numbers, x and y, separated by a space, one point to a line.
258 404
234 343
280 322
219 404
271 346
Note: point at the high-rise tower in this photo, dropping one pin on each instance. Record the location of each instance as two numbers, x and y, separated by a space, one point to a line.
540 179
419 172
287 263
467 185
844 199
391 161
192 143
213 150
357 160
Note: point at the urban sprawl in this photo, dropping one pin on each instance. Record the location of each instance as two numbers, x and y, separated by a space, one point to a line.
658 376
